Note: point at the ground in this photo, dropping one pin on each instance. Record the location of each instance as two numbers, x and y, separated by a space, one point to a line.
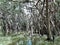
22 38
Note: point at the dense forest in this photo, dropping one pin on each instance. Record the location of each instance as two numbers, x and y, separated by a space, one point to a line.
29 22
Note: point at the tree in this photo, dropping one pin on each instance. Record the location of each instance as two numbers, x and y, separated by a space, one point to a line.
48 22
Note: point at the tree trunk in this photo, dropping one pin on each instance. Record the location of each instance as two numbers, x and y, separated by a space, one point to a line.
48 22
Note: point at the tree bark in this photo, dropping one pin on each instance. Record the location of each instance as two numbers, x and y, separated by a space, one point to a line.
48 22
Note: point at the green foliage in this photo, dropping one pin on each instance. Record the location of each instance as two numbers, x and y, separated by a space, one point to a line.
1 0
57 0
13 8
21 39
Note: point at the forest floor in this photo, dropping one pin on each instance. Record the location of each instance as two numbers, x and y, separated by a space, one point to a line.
22 39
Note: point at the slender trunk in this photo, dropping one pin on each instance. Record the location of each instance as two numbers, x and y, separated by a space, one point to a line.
48 22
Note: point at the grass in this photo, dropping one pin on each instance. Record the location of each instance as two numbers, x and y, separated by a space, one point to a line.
21 39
